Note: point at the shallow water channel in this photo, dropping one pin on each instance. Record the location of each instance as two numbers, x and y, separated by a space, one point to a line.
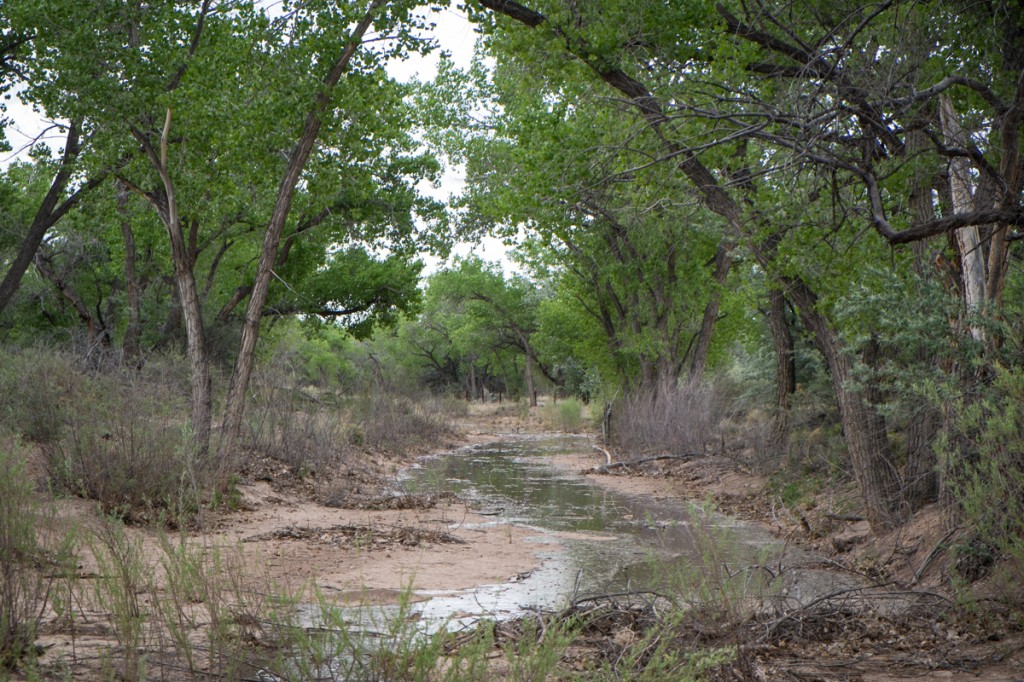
594 541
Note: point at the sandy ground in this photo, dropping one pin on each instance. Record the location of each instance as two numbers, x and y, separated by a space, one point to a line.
284 537
366 565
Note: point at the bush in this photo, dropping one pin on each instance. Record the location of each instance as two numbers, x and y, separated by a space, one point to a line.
566 415
984 462
670 418
125 446
304 430
26 566
35 386
390 421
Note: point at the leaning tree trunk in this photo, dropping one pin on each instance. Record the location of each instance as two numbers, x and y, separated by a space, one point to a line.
50 210
699 361
864 429
528 375
234 410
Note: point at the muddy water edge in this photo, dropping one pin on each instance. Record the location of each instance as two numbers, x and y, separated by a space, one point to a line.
593 542
599 542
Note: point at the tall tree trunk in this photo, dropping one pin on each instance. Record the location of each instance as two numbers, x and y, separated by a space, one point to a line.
972 259
864 428
133 332
195 338
699 361
920 471
785 369
1011 169
166 205
235 408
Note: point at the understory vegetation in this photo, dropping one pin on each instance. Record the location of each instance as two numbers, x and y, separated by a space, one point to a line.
199 612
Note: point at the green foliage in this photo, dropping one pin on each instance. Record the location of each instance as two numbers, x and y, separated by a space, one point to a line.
983 457
387 645
534 656
477 325
238 82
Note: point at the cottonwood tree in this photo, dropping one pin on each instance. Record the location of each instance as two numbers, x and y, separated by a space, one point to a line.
220 108
600 219
701 90
498 313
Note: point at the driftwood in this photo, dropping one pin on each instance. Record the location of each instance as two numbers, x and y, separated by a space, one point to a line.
936 550
607 454
370 536
646 460
852 518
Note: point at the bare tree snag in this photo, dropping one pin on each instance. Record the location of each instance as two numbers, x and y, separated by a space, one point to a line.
972 260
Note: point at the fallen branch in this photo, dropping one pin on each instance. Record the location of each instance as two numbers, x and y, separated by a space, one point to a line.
936 550
646 460
852 518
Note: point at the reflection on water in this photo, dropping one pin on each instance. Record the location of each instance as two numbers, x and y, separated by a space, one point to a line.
601 541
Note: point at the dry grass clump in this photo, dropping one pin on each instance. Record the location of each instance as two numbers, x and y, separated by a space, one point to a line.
311 431
671 417
389 421
567 415
114 435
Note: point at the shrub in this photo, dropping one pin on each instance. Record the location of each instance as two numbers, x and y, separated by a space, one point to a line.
983 457
566 415
304 431
670 417
307 439
125 447
35 387
27 566
123 578
392 421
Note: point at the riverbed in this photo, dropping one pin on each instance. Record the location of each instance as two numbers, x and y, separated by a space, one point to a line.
592 540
